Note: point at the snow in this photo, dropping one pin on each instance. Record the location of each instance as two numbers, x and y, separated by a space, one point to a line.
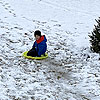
71 72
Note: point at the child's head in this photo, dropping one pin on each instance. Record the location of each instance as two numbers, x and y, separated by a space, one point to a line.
37 34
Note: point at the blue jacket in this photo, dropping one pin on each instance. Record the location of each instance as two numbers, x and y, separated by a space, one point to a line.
41 46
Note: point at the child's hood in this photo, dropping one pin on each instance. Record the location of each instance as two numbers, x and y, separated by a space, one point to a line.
45 39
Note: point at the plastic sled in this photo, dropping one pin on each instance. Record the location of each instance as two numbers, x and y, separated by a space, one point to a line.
38 58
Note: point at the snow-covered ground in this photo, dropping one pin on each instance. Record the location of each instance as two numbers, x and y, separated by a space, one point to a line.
71 72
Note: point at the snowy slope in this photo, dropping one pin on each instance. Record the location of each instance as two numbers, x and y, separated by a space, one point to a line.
72 71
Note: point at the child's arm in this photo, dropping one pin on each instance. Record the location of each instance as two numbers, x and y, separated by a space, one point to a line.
42 49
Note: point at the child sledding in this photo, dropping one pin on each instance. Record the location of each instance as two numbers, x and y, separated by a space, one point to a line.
39 47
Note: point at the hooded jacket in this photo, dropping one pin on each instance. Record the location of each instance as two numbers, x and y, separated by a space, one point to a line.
40 45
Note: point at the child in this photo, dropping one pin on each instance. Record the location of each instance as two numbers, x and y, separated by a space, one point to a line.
39 47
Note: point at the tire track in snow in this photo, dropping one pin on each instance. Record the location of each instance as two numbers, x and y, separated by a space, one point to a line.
55 5
68 8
